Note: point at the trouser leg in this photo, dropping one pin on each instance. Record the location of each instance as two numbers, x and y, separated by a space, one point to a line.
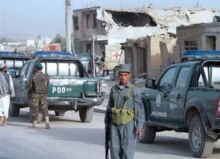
47 122
1 107
115 149
123 141
128 144
34 107
44 108
4 122
6 105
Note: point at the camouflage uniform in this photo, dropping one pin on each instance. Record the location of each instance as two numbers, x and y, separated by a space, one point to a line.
38 93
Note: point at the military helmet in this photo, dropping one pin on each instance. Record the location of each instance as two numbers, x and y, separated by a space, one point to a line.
38 65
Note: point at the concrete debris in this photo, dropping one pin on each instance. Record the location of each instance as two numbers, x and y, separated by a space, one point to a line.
122 25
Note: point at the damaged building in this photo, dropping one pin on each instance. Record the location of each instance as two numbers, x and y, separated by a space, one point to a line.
150 55
107 26
204 36
147 35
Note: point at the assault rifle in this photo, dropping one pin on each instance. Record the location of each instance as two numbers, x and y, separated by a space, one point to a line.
107 139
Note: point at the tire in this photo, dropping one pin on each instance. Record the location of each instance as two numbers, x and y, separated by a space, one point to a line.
14 110
86 115
200 144
149 133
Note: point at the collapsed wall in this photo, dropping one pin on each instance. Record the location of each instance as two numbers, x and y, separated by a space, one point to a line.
156 26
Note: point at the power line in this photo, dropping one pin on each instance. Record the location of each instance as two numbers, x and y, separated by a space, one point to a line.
120 4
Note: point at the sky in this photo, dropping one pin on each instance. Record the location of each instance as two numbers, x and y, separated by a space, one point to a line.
33 18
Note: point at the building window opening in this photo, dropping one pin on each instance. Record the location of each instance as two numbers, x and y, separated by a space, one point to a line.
76 23
211 42
132 19
87 20
88 48
94 21
191 45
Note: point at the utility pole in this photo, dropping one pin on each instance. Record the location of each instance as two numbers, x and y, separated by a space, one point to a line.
197 4
93 55
68 22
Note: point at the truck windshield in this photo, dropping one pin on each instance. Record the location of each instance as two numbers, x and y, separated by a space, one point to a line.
212 75
64 68
13 62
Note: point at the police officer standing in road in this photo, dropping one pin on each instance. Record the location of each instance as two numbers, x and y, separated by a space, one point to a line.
38 93
124 116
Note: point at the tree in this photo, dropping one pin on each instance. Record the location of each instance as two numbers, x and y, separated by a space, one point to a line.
61 40
4 39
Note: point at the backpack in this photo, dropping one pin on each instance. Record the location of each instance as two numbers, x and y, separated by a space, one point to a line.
41 82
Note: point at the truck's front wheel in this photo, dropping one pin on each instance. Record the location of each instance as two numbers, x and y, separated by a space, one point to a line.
14 110
86 115
200 144
149 133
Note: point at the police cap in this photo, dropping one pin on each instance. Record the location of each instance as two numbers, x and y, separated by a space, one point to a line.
124 68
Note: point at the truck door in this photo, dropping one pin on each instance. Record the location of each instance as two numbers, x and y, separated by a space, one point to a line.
178 95
165 85
21 83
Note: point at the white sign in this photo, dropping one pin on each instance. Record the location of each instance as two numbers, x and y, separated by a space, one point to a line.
61 90
159 114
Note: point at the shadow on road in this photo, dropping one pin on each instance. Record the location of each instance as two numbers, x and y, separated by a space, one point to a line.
24 116
170 145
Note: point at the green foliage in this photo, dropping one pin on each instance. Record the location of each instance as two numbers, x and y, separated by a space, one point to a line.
61 40
4 39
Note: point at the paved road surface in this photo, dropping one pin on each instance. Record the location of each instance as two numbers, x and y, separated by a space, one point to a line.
68 138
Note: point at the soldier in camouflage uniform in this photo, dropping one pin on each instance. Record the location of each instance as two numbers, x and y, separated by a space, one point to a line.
38 93
124 116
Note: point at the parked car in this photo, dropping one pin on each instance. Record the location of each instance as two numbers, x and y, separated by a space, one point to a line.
186 98
13 60
70 87
12 54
